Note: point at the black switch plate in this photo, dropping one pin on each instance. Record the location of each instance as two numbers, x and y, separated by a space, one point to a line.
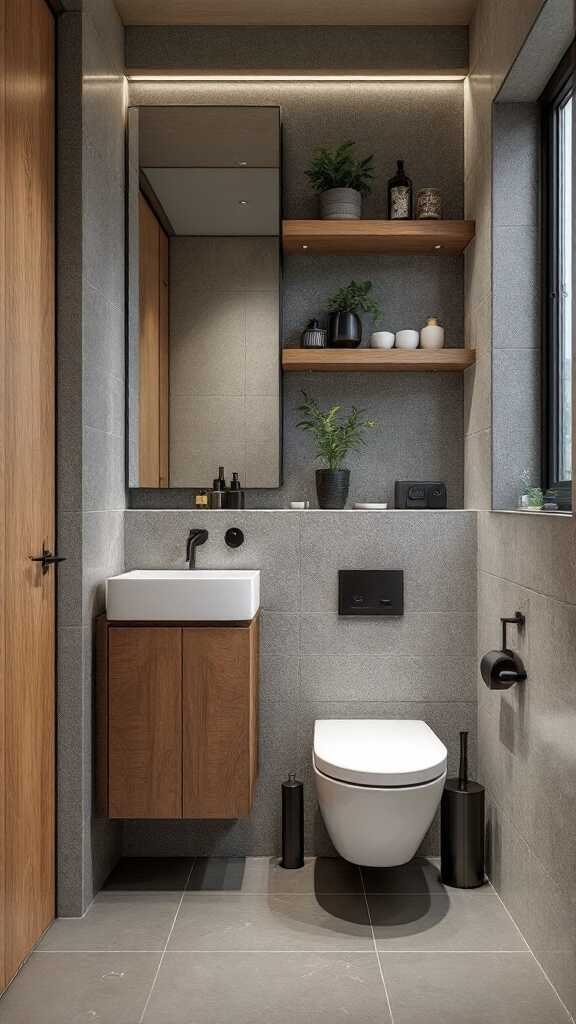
371 592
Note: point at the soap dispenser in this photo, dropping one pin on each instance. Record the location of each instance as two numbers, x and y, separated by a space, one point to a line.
218 498
236 495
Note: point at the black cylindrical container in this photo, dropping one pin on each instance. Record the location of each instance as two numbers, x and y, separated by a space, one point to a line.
332 486
292 823
462 828
344 330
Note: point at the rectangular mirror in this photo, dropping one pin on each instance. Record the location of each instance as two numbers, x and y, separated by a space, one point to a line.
203 295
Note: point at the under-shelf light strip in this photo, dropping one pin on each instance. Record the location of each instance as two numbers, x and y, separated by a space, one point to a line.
143 76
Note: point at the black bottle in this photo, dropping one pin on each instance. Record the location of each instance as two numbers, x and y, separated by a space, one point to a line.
219 495
400 195
235 496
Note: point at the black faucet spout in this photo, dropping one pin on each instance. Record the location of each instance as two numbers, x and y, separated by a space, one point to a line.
195 539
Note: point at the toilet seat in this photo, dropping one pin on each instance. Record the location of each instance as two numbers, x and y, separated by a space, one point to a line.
378 752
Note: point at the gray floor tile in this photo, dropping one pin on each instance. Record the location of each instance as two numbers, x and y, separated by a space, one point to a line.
464 988
421 875
299 988
454 921
150 874
233 922
117 921
69 988
265 875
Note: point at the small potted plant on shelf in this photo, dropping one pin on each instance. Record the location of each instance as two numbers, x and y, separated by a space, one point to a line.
532 498
344 323
335 438
341 180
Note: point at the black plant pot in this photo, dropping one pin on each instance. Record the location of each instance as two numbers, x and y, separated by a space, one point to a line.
344 330
332 486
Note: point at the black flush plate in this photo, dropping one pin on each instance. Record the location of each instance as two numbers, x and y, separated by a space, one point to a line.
371 592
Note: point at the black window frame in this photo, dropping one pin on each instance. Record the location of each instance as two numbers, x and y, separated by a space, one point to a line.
561 84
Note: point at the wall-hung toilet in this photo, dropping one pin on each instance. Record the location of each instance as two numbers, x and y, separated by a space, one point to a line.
379 784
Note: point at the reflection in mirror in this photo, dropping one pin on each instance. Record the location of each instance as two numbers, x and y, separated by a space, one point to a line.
203 283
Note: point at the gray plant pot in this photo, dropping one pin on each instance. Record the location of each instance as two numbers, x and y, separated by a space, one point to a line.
341 204
332 486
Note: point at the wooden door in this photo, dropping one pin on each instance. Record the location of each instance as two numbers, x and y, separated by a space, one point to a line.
145 722
219 727
153 351
28 440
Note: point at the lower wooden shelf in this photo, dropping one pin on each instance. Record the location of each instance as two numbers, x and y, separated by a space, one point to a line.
374 360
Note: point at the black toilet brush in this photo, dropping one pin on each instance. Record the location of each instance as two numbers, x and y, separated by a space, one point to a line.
462 828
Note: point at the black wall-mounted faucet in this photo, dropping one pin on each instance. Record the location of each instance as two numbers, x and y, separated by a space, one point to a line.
195 539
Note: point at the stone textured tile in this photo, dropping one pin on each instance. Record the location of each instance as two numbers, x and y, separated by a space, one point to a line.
448 988
394 677
64 988
262 343
516 308
320 875
271 923
268 989
478 470
448 922
478 395
516 128
116 921
535 551
516 423
414 635
279 633
103 483
418 543
279 679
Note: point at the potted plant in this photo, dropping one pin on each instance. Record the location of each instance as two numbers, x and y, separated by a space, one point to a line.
341 180
532 498
344 324
335 438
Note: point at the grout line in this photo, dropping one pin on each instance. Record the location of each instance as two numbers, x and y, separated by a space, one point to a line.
376 948
155 979
535 958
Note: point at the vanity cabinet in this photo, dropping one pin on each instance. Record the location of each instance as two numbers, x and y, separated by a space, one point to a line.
177 710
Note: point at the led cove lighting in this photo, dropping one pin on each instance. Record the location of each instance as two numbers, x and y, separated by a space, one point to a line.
269 76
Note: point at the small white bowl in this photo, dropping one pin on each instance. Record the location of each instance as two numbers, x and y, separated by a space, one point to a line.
299 504
407 339
382 339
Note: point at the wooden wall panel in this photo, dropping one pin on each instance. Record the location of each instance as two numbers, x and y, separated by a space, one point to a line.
219 721
164 360
149 410
145 722
29 439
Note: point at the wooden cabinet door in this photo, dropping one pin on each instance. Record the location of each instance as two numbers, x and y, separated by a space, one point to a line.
27 457
219 712
145 722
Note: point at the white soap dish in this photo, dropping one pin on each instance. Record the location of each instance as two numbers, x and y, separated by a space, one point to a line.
371 506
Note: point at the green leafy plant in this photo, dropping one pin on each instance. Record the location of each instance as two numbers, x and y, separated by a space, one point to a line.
339 168
335 436
535 497
354 297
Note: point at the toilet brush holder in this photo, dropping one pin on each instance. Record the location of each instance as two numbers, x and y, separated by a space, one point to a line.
292 824
462 828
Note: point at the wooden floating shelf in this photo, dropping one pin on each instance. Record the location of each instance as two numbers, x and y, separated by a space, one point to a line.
374 360
403 237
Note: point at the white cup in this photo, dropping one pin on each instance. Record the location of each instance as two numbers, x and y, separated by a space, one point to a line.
407 339
382 339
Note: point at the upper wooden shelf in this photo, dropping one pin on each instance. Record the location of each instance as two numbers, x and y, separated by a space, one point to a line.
404 237
368 360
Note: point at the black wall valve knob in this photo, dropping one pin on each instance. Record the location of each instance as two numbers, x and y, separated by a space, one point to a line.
234 537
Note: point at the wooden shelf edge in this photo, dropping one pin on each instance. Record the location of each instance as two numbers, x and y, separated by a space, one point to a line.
410 237
367 360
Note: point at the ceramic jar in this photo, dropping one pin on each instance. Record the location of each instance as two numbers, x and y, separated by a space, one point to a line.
432 336
341 204
429 204
382 339
407 339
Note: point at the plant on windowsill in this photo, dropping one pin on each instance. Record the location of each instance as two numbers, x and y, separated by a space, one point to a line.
341 180
335 438
344 323
532 498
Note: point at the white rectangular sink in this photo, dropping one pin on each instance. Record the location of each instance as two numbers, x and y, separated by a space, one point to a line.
183 595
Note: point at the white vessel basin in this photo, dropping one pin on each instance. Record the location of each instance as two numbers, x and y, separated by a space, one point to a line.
183 595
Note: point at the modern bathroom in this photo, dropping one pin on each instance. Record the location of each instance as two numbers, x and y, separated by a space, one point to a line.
288 629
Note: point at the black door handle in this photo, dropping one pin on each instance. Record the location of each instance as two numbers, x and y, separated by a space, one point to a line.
46 559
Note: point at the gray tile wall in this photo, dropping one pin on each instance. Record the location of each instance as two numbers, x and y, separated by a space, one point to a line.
224 360
420 421
314 664
526 755
91 492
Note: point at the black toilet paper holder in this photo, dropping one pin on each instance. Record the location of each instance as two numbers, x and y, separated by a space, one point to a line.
502 669
518 619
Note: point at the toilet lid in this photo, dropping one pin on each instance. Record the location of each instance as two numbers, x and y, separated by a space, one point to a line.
382 752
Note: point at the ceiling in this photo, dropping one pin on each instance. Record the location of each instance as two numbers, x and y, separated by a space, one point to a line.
296 12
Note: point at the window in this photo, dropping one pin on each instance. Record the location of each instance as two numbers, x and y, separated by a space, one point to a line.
557 106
